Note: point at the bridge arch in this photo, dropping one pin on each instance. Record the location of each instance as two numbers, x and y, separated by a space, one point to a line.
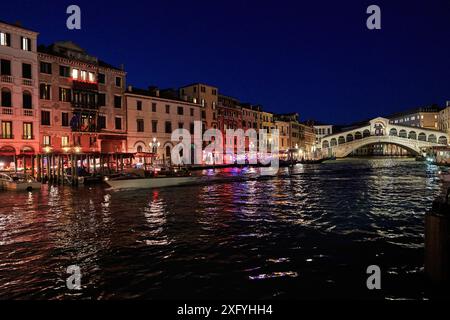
393 132
325 144
432 138
422 137
341 140
443 140
333 142
412 135
358 135
366 133
402 133
349 137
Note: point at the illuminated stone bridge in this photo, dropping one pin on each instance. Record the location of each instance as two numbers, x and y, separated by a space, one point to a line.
380 131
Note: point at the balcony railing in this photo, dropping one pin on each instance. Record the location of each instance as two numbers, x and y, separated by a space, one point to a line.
6 78
6 136
28 112
27 82
7 111
27 137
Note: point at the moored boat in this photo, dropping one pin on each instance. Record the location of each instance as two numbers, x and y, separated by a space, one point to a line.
166 178
18 182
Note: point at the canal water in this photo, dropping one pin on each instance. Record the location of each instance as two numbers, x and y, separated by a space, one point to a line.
309 233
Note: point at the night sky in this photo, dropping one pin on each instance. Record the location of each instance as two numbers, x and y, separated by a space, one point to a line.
312 57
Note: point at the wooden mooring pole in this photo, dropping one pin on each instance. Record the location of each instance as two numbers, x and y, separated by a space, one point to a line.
437 241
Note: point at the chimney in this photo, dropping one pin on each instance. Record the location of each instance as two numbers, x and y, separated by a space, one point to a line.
130 88
18 24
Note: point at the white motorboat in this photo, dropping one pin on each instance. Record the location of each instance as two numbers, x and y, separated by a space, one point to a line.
18 182
148 183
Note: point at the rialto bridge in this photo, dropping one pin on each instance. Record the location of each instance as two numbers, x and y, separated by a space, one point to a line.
380 131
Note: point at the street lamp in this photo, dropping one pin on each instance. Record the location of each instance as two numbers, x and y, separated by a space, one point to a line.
154 145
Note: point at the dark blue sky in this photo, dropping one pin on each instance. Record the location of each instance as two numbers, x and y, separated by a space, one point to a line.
313 57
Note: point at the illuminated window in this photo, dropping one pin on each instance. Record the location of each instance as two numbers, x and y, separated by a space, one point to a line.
75 73
83 75
5 39
46 140
64 141
26 44
91 77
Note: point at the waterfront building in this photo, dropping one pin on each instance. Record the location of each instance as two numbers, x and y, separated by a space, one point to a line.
229 114
19 100
152 118
444 119
294 140
207 96
307 139
81 101
424 117
283 128
322 130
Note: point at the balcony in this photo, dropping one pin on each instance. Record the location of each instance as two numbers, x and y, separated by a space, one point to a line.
27 82
28 112
7 111
6 78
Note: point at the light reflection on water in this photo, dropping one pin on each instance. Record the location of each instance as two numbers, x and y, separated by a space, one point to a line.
309 232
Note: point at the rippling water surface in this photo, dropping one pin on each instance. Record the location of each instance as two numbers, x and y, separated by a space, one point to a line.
310 232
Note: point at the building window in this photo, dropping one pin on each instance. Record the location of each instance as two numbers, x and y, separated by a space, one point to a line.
6 98
101 99
168 127
101 78
83 75
202 89
101 122
27 100
75 74
26 44
192 128
180 111
91 77
45 91
180 125
65 94
117 102
192 112
26 71
214 92
119 82
118 122
46 67
5 39
5 67
7 130
27 131
45 118
46 140
64 119
154 126
139 105
64 71
153 107
64 141
140 125
167 108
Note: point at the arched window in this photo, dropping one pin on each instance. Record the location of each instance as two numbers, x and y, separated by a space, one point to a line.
168 151
412 135
325 144
432 138
402 134
349 137
6 98
341 140
393 132
27 100
358 135
422 137
139 149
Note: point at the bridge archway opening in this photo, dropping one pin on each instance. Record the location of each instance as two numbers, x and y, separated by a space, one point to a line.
325 144
358 135
366 133
422 137
403 134
412 135
333 142
432 138
341 140
393 132
349 137
443 140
